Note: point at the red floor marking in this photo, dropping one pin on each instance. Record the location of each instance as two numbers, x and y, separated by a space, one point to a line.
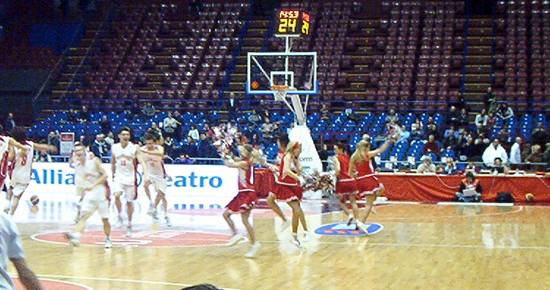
52 285
143 238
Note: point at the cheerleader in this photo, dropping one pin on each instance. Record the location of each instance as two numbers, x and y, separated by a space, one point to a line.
282 142
345 185
245 199
366 183
290 188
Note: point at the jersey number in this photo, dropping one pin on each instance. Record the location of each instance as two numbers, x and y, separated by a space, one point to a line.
24 160
123 162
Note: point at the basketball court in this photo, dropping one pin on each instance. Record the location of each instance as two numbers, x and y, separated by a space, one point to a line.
421 246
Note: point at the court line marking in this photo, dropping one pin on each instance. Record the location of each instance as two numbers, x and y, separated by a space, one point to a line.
418 245
476 203
60 281
122 280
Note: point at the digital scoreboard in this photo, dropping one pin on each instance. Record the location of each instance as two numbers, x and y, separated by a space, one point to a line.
293 22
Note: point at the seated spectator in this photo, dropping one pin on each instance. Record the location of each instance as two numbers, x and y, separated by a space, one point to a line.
416 132
504 134
536 157
173 151
53 139
72 117
194 133
450 167
350 113
450 142
463 118
469 183
255 118
471 167
469 150
392 117
325 113
170 126
405 135
499 167
505 112
481 119
539 135
427 166
267 132
156 131
432 129
190 148
183 159
110 139
105 125
431 146
495 150
84 115
148 110
452 118
525 151
546 154
491 121
489 98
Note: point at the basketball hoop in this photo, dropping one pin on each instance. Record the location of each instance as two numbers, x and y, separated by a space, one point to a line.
280 91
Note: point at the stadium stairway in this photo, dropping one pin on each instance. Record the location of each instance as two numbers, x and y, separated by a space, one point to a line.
478 62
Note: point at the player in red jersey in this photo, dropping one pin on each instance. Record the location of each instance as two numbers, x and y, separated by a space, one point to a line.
245 199
366 183
345 185
290 188
282 142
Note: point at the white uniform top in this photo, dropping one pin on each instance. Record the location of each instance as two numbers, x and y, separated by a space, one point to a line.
78 181
4 146
126 163
22 168
10 248
87 175
155 163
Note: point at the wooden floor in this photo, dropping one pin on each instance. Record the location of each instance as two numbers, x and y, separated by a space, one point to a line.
423 246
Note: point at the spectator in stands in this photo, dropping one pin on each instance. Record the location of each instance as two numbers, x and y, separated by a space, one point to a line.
267 132
432 129
53 139
232 108
135 110
9 124
427 166
515 154
431 146
205 146
536 157
525 151
254 118
539 135
190 148
450 167
84 115
405 135
100 148
505 112
470 167
105 125
492 120
156 130
324 154
110 139
72 117
184 159
148 110
463 118
469 150
450 141
392 117
546 154
168 142
248 132
325 113
194 134
495 150
416 133
499 167
489 99
481 119
352 115
469 182
453 117
173 151
504 134
170 125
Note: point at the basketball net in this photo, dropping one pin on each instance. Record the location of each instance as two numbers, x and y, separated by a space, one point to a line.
280 93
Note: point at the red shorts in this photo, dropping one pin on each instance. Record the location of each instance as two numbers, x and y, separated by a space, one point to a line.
245 200
367 185
288 192
345 187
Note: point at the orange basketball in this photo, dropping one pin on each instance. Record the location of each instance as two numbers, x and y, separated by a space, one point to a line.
255 85
34 200
530 197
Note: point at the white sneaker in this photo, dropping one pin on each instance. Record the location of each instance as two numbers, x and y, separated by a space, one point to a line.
7 210
285 225
252 253
234 240
350 219
108 243
362 227
168 223
129 231
119 221
151 210
306 237
74 238
373 210
294 240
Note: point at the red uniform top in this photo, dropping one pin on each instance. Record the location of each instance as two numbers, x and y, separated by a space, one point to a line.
285 178
344 166
280 156
246 180
365 168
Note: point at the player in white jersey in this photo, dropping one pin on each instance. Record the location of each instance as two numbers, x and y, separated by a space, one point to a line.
124 157
21 162
78 181
93 179
153 155
5 144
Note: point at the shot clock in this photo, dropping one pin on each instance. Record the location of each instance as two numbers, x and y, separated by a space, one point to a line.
293 22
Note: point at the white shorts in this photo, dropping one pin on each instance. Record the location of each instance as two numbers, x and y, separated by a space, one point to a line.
18 188
159 183
96 199
128 190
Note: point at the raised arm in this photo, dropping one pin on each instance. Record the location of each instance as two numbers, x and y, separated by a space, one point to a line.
380 150
44 147
156 152
235 164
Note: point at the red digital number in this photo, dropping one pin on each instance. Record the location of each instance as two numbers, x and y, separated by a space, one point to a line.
306 17
293 14
283 14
